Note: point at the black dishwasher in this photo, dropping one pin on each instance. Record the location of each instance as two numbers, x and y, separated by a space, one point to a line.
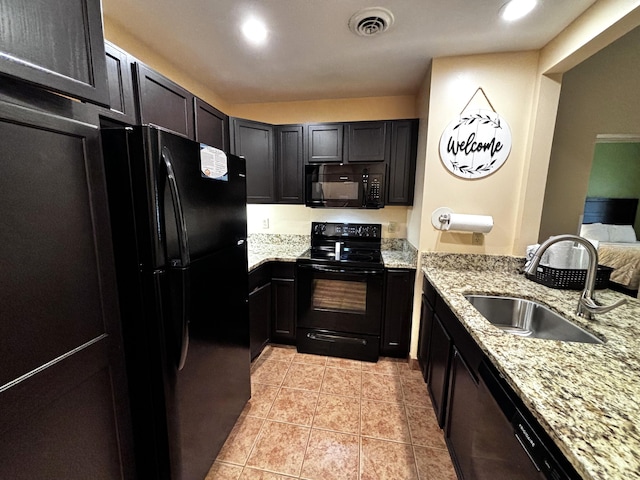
509 446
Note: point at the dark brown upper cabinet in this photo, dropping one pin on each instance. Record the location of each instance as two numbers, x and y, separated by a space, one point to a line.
55 44
120 82
402 162
324 143
289 164
367 142
211 125
254 141
163 103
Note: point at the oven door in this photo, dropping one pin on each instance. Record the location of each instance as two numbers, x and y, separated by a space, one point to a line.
339 311
343 299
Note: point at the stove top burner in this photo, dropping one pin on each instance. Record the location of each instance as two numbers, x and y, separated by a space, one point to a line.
345 244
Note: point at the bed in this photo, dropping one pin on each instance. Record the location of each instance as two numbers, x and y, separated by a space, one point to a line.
609 223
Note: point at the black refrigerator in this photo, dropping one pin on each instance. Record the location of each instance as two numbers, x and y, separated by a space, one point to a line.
178 214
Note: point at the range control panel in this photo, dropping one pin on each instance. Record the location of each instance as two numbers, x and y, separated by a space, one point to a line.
351 230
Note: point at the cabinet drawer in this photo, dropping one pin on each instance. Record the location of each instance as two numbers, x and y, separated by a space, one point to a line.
429 292
466 345
259 277
283 270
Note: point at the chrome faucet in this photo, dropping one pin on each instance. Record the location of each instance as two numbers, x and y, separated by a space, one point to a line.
587 305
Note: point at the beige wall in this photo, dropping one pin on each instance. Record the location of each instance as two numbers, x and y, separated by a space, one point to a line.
134 46
335 110
599 96
296 219
508 80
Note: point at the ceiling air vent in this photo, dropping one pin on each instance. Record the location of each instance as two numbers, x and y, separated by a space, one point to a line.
370 21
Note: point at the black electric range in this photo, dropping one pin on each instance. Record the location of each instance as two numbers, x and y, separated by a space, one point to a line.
340 282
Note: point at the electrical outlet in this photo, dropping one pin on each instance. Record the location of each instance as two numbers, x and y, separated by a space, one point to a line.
477 238
393 227
265 223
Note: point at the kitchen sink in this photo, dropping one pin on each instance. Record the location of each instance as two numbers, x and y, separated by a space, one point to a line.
527 318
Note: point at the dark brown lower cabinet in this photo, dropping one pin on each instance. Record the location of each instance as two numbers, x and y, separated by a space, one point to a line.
424 339
283 307
462 414
259 309
398 306
439 363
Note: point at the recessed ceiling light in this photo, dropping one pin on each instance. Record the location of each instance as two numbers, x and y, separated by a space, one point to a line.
517 9
254 31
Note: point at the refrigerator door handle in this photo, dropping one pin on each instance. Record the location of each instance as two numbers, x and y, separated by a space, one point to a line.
179 268
181 225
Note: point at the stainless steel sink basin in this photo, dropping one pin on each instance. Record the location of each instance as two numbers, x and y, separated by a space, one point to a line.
527 318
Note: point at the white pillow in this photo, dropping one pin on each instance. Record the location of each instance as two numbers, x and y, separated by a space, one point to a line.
622 233
595 231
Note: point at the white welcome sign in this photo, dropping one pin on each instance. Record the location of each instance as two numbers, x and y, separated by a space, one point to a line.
475 144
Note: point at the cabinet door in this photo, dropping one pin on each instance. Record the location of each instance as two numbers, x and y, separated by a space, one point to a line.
402 162
120 81
424 340
212 126
164 103
56 44
289 164
254 141
439 361
367 142
63 404
462 412
283 313
396 327
259 318
324 143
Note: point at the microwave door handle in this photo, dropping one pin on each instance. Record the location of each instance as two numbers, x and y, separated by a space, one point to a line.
179 269
366 187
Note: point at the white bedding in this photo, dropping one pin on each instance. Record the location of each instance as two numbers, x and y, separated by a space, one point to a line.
624 258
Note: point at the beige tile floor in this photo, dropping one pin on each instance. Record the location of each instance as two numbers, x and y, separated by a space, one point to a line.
324 418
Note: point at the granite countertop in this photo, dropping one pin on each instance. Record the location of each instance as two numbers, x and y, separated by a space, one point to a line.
262 248
586 396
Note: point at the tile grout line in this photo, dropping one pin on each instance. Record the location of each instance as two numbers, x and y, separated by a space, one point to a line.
266 419
361 396
396 374
313 418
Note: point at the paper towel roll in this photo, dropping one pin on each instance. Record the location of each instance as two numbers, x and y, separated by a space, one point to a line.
469 223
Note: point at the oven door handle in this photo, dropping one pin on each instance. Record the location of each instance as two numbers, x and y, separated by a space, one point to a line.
326 337
322 268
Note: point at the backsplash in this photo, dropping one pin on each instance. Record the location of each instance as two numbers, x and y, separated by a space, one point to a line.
472 262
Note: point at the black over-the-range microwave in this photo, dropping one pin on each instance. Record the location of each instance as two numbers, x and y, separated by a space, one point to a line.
345 185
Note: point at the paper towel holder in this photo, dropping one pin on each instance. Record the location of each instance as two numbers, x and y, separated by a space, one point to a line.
443 218
440 218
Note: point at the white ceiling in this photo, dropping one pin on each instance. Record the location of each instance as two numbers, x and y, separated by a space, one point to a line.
311 53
